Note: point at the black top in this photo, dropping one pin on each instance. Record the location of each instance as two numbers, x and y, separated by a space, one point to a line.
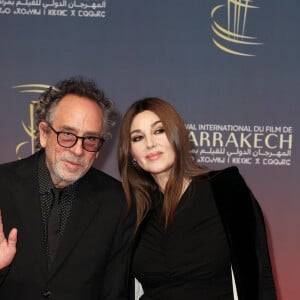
190 260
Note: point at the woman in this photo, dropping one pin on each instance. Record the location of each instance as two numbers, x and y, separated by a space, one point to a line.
193 225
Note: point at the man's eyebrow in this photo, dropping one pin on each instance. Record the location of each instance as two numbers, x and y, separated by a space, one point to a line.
74 130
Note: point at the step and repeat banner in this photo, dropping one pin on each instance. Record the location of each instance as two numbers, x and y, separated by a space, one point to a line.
231 69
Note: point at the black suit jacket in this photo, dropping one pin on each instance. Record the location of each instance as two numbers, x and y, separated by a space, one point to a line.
93 258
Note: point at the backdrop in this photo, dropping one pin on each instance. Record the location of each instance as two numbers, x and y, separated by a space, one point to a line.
231 68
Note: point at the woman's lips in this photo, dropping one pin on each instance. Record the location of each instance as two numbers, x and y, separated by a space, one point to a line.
154 156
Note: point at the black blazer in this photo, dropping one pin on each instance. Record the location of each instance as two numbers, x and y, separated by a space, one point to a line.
93 259
245 230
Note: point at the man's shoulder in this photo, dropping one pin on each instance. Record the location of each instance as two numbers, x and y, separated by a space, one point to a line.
100 175
20 164
9 165
103 188
101 181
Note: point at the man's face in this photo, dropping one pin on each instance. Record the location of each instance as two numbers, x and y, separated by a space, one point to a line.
82 117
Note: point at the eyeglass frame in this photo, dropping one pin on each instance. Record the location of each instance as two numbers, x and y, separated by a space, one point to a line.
83 138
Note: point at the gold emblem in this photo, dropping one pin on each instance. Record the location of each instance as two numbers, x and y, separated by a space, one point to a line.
229 25
29 127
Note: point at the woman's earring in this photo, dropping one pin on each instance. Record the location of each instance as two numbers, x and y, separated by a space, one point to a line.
134 163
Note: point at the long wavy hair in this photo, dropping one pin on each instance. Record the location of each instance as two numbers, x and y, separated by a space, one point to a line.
138 184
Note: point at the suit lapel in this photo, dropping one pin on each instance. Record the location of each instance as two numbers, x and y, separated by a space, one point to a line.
28 207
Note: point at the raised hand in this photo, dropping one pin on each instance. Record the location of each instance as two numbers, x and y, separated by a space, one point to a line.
7 246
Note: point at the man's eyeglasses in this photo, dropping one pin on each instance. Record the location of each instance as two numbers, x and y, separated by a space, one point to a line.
68 140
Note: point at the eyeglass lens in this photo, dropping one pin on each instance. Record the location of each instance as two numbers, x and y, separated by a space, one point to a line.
89 143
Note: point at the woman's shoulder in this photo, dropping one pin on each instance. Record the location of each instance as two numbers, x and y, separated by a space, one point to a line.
222 174
228 179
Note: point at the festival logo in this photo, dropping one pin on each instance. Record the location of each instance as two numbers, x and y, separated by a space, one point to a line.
241 144
231 27
28 127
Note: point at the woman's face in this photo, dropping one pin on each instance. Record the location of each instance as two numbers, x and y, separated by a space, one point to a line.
150 146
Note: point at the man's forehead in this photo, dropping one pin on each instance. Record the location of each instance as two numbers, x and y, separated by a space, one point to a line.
79 114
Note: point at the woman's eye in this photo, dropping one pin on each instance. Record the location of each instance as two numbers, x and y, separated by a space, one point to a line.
159 131
136 138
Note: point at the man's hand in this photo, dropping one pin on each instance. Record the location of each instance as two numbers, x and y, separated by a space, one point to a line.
7 246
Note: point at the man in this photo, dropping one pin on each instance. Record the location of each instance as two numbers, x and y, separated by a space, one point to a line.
68 233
